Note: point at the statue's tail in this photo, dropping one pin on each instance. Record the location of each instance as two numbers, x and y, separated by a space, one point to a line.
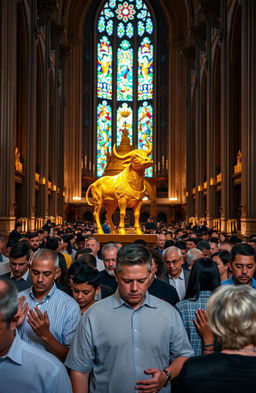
87 194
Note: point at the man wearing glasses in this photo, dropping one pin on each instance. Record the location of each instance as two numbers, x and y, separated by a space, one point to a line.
176 275
19 264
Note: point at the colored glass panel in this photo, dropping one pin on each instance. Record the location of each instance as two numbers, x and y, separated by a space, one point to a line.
125 11
109 27
120 30
145 70
129 30
112 3
124 122
139 4
104 69
141 28
101 24
107 12
124 71
145 130
104 135
149 26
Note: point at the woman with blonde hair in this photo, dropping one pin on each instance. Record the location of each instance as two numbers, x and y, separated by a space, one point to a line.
231 314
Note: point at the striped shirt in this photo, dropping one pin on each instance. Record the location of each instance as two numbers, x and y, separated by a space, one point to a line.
63 312
187 309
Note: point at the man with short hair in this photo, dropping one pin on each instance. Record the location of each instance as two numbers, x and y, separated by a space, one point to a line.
213 244
161 239
242 265
53 315
19 264
136 356
23 367
176 275
192 255
94 244
191 243
205 247
34 241
15 235
107 276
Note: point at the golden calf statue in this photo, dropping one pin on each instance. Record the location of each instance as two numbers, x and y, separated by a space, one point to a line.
127 189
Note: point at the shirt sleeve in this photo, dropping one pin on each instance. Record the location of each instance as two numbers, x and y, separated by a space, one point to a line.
70 325
179 343
59 382
81 354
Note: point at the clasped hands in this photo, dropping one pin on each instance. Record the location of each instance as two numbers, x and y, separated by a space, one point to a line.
38 321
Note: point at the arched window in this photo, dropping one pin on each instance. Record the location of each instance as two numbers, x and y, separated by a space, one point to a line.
125 77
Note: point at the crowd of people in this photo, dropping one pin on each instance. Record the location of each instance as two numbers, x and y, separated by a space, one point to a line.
83 317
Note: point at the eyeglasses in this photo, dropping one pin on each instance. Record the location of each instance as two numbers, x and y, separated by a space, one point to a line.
173 262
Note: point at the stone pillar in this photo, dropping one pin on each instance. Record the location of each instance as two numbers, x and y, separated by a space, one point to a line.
248 120
30 130
198 34
8 37
73 122
226 133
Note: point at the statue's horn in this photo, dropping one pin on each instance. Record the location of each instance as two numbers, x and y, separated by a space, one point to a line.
149 148
127 155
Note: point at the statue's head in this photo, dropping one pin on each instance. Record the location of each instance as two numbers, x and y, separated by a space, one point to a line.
139 159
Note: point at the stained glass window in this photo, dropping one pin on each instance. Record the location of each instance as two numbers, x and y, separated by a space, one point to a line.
125 76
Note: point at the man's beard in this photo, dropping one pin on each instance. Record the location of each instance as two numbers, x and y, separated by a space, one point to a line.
34 249
110 272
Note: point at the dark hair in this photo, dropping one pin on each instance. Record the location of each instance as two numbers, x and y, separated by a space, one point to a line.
82 252
140 241
133 254
8 301
181 244
242 249
192 239
224 256
86 274
17 225
41 231
204 276
66 239
168 243
20 249
159 261
52 243
80 238
31 235
88 259
203 245
214 240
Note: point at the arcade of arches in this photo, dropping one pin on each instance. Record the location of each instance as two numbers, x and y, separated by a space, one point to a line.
204 132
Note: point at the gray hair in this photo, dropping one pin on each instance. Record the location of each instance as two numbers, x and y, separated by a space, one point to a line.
192 255
8 301
109 246
46 253
172 249
232 316
133 254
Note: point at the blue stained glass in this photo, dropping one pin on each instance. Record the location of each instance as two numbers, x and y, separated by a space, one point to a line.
149 26
141 28
145 70
129 30
108 13
101 24
142 14
120 30
104 135
109 27
112 3
145 130
104 68
139 4
125 72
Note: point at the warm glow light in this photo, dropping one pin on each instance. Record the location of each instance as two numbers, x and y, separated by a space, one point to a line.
76 198
43 180
173 199
145 198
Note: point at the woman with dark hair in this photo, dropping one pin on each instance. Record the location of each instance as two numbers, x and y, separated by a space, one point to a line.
222 259
204 278
85 286
67 249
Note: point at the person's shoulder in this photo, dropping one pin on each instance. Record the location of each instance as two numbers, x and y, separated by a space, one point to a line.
65 298
160 304
25 292
5 276
34 353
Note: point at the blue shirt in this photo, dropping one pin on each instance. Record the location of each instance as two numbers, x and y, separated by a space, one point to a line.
187 309
116 343
63 312
26 369
231 282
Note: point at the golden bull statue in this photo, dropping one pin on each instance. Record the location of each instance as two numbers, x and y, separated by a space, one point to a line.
127 189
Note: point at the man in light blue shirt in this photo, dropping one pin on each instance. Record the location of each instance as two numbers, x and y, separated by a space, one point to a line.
130 340
242 265
24 368
53 316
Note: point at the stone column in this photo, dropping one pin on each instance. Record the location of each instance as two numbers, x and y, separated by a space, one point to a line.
226 136
248 120
8 82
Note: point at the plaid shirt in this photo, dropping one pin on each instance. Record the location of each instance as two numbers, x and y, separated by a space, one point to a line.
187 309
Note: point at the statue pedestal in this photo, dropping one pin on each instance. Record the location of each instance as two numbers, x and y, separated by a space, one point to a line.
125 239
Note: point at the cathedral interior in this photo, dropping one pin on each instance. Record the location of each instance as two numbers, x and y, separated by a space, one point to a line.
78 75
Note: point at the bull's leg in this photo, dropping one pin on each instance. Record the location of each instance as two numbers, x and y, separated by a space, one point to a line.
122 206
96 214
136 211
109 211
